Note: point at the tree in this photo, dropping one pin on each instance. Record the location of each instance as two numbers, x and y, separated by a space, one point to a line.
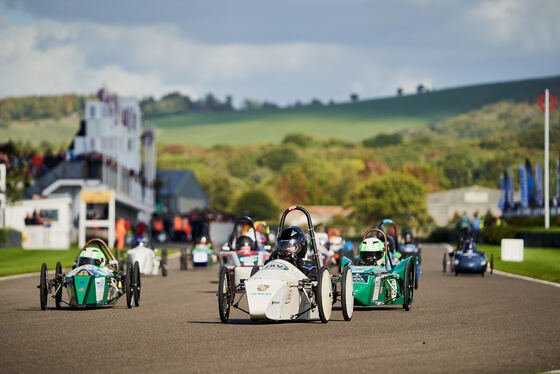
219 190
398 196
420 88
382 140
354 97
257 204
399 92
278 156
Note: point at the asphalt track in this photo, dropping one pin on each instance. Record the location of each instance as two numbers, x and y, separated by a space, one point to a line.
461 324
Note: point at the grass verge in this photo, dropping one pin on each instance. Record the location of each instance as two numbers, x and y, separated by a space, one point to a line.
541 263
19 261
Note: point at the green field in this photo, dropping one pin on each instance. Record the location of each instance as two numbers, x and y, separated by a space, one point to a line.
56 132
541 263
350 121
20 261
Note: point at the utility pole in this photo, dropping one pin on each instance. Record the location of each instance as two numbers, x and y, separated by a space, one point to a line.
546 166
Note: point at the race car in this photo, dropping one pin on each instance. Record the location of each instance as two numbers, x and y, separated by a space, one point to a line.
376 280
148 261
399 251
95 280
241 253
202 254
467 259
290 286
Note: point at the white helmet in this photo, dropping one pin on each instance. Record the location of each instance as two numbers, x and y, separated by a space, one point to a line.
371 251
91 256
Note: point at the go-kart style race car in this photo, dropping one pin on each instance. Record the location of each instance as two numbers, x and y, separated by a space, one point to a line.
401 251
289 286
467 259
241 253
95 280
148 261
202 254
376 280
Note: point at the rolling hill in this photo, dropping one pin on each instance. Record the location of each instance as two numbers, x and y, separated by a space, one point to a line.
350 121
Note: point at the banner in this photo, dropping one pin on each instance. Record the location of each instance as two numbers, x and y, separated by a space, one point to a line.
523 196
501 202
538 184
530 184
511 198
557 201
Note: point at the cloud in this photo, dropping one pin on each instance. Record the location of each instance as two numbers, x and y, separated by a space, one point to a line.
532 25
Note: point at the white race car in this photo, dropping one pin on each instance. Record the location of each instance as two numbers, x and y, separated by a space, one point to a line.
148 261
238 258
281 290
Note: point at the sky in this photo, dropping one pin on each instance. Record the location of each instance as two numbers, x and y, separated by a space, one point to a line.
281 51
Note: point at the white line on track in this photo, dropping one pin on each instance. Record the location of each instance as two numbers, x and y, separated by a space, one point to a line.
526 278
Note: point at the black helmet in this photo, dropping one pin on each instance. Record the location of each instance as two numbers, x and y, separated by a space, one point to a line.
244 241
293 239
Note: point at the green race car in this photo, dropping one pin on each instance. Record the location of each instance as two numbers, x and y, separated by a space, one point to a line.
378 280
95 279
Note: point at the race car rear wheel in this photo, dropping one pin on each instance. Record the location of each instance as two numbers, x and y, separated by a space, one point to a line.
225 296
43 290
128 285
408 287
163 262
324 295
444 262
416 278
491 264
347 291
137 285
58 276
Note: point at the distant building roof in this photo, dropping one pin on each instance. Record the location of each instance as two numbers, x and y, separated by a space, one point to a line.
183 187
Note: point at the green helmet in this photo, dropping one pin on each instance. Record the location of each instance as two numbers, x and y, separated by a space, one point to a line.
91 256
371 251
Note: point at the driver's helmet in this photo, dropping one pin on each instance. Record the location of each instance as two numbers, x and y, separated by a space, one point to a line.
469 245
371 251
407 238
244 243
203 240
292 239
91 256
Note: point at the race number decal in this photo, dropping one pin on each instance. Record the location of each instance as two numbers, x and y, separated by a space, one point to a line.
99 289
376 289
276 266
360 278
393 284
248 260
200 257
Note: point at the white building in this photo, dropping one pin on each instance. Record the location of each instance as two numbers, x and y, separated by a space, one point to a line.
111 152
442 206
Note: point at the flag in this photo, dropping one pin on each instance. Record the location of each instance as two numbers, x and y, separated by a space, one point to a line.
511 199
530 184
501 202
557 172
538 184
523 186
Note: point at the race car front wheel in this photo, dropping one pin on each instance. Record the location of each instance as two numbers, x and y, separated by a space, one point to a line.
136 286
128 285
43 290
444 262
347 291
324 295
225 296
58 276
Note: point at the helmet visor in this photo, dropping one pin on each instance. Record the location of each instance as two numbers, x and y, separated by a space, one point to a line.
89 261
290 245
371 256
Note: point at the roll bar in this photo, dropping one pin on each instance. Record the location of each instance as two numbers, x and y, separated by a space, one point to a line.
394 225
247 220
309 228
387 257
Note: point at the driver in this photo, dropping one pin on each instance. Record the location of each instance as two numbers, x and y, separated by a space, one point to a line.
244 243
291 246
371 252
91 256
